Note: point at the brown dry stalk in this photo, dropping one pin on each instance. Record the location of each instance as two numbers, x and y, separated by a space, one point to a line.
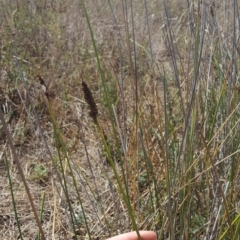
16 160
93 113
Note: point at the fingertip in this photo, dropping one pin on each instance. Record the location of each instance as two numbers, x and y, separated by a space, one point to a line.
148 235
145 235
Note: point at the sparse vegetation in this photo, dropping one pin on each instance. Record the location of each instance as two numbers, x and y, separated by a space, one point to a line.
119 116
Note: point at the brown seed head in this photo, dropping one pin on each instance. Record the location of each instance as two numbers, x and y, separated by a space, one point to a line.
90 101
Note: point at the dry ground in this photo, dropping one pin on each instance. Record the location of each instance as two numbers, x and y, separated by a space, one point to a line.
66 58
52 39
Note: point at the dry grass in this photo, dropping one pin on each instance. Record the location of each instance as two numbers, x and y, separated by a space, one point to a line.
174 145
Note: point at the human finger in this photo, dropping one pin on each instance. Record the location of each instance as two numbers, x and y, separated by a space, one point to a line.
145 235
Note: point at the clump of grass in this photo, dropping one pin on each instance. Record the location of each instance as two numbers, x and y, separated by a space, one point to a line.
171 98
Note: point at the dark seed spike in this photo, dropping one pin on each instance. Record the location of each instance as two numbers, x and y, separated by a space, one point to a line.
90 101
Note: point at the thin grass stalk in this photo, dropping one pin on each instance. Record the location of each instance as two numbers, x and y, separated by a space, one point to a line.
126 20
93 113
123 103
221 128
123 164
185 216
234 52
214 118
125 176
16 160
216 175
96 189
110 159
133 66
105 88
191 117
229 134
215 226
161 129
33 109
134 75
39 125
124 195
115 197
151 172
237 231
173 58
121 82
117 27
58 139
41 211
207 90
130 210
182 146
106 91
119 131
168 171
219 147
148 30
58 146
91 191
235 141
37 47
12 195
187 118
133 71
235 221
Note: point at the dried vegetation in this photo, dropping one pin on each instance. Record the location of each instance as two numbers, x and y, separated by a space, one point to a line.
142 133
